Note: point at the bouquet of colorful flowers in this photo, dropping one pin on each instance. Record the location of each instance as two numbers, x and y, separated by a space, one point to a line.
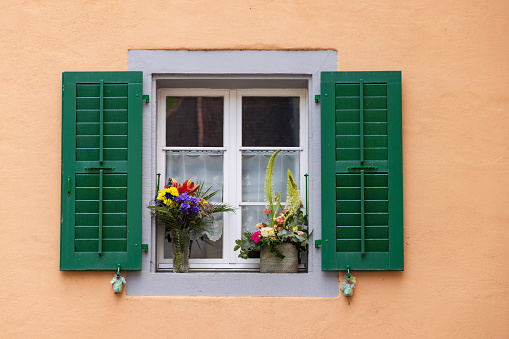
186 206
284 225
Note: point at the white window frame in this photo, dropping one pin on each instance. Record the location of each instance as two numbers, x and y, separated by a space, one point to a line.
232 166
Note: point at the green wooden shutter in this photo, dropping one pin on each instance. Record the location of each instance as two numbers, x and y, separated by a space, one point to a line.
101 170
362 184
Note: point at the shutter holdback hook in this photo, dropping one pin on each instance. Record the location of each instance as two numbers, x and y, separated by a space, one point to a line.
348 284
118 281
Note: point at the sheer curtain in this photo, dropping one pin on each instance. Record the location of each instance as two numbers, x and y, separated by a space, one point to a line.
254 166
207 168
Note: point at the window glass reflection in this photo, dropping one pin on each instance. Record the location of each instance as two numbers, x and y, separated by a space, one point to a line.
194 121
270 121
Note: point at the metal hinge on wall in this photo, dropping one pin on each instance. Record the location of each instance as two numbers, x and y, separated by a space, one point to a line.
144 247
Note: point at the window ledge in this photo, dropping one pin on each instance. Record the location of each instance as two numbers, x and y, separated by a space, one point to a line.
311 284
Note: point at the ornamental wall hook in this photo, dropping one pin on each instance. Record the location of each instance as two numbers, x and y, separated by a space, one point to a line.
118 281
348 284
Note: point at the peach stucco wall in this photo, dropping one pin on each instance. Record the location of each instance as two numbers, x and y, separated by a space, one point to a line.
454 58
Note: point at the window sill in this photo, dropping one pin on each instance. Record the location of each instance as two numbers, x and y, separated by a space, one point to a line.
310 284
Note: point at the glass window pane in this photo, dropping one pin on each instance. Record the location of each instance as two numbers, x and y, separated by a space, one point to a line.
270 121
204 167
201 166
194 121
254 166
252 215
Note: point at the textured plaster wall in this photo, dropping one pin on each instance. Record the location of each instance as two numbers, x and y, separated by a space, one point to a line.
454 59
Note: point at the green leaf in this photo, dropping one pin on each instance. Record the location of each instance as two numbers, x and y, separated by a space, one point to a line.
279 255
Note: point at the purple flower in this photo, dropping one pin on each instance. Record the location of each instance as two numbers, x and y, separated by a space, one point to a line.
184 207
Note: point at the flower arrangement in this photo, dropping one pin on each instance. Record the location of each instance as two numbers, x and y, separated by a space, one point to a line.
283 225
186 214
186 206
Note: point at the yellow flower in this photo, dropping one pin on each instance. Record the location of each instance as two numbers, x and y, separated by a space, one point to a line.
173 191
161 194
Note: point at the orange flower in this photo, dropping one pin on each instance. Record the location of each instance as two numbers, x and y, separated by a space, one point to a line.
188 186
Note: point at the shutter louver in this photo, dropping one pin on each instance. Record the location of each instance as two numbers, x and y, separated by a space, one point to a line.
361 171
101 162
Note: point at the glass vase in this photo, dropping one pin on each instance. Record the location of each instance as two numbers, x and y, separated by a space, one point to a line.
180 242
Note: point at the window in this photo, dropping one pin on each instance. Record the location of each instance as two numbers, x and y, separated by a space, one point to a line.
242 71
225 137
351 151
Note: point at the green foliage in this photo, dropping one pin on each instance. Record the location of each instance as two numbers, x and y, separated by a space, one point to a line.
246 245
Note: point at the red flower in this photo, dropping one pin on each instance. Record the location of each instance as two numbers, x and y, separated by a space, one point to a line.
188 186
256 237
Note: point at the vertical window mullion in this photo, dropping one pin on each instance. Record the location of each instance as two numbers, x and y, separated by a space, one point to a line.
236 142
230 171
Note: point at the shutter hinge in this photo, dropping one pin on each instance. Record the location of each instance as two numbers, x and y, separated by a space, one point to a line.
317 98
146 98
318 243
144 247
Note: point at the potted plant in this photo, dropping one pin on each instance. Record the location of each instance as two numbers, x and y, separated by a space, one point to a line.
186 213
283 234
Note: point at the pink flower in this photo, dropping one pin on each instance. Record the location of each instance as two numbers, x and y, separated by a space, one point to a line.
280 220
258 226
256 237
285 210
266 211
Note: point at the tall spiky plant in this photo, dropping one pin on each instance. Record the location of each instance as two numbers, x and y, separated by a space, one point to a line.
293 200
268 189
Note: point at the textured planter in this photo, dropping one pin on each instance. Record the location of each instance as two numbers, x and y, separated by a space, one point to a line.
269 263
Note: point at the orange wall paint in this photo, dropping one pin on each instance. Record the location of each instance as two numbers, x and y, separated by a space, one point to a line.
454 61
